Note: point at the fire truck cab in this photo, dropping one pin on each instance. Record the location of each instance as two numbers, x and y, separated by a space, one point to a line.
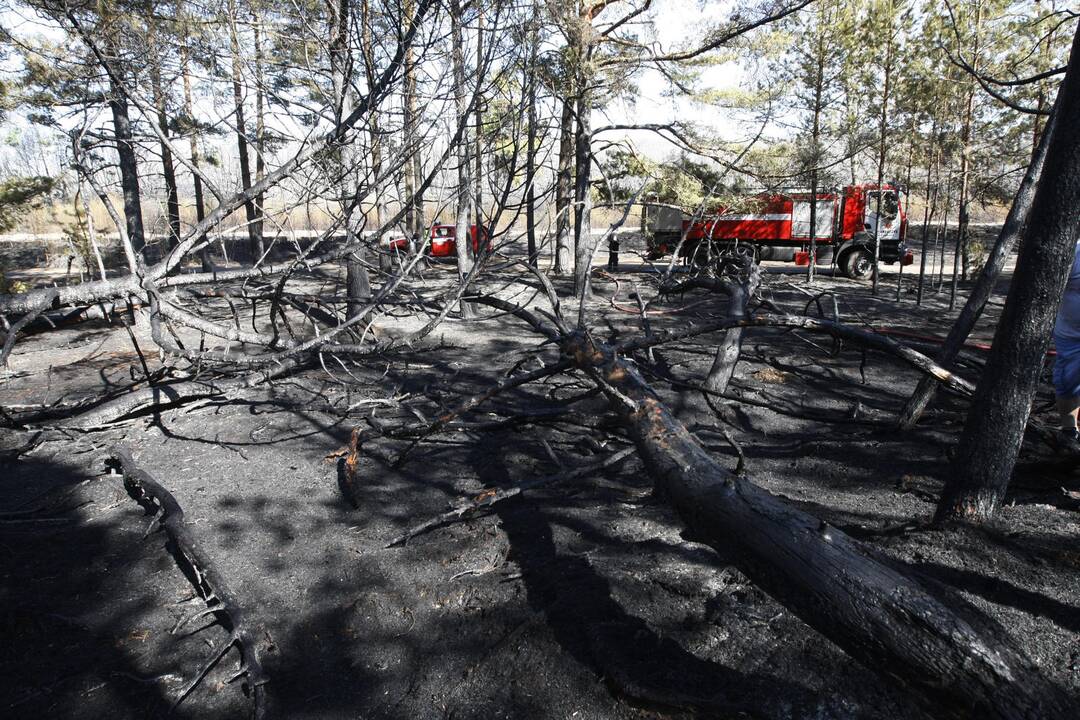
776 226
444 242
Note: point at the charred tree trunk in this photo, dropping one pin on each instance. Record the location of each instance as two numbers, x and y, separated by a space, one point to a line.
193 141
129 168
414 222
995 425
984 286
530 150
208 580
584 247
357 282
883 140
367 50
255 242
168 171
563 189
727 354
464 189
260 124
959 663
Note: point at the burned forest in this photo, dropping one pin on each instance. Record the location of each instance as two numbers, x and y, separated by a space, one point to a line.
563 359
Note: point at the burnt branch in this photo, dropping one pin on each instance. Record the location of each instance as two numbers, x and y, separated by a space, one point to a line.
466 509
207 580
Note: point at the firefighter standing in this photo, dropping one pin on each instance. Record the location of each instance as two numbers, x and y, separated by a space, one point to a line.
613 253
1067 361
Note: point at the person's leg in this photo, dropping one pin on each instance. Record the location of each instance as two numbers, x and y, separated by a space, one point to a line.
1067 408
1067 390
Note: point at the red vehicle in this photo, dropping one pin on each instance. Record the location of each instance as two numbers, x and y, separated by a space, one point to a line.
442 241
444 244
777 226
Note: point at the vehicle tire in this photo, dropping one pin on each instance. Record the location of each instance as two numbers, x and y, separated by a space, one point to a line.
745 250
857 264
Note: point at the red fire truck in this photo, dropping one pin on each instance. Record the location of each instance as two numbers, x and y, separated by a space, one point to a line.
442 241
776 226
444 244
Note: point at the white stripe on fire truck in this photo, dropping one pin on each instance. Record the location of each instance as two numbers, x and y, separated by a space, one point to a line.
774 217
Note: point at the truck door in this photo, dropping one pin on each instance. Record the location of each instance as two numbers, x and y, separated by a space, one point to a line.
800 220
889 216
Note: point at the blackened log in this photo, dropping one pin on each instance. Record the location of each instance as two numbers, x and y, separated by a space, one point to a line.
208 581
872 340
932 644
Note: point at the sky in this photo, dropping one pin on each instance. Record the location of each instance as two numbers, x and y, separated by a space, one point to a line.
674 21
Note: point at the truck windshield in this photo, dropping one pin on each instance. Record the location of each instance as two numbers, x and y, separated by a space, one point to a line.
890 204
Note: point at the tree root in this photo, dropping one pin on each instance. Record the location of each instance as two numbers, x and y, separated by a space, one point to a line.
207 580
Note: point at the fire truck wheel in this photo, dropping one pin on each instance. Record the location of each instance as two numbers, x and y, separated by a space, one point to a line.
857 264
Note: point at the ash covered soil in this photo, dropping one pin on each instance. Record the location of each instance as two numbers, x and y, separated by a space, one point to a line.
578 599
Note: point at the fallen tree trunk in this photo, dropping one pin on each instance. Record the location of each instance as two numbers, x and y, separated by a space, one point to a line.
931 643
208 581
872 340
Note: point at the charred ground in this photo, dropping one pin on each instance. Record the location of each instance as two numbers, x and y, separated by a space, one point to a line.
582 598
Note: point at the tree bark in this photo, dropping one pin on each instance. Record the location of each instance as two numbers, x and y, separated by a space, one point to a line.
883 139
530 151
367 50
193 141
944 230
965 165
563 189
815 136
255 242
478 150
584 247
727 353
129 167
414 221
168 172
984 286
260 123
930 200
357 282
995 425
464 189
358 287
